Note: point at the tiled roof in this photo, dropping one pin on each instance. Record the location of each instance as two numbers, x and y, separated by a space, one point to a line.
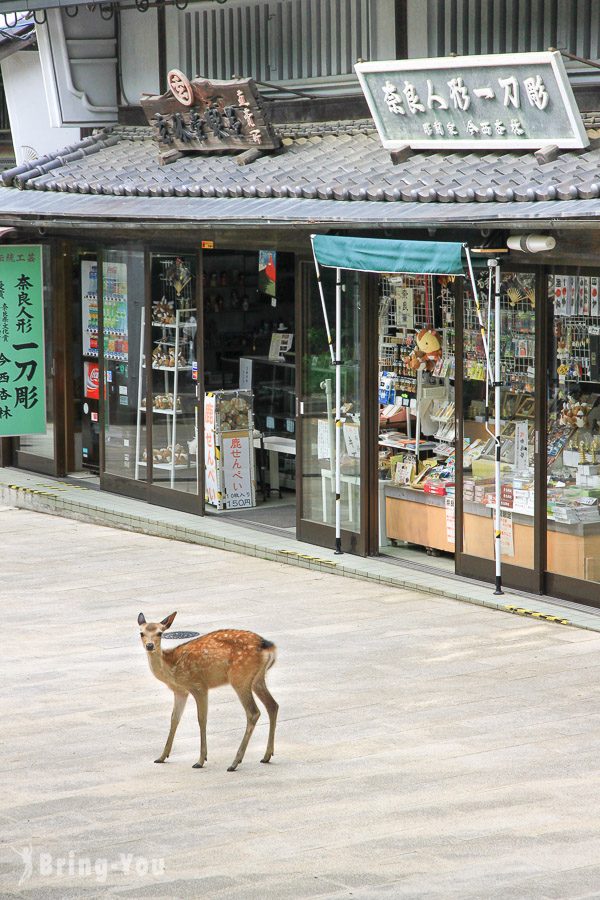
326 161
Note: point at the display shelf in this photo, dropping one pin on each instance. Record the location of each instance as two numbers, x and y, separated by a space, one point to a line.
167 466
423 446
510 509
170 368
113 331
116 357
171 415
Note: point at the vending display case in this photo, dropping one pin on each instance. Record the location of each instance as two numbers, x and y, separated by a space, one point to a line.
229 475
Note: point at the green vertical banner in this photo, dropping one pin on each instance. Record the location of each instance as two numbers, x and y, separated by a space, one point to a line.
22 370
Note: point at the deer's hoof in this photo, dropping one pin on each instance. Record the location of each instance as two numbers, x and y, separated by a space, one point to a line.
232 768
198 765
266 759
159 760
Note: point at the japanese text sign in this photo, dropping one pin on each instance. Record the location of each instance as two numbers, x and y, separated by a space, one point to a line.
237 470
201 116
22 372
503 101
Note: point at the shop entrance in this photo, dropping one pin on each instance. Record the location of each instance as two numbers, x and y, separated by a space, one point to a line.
316 412
250 385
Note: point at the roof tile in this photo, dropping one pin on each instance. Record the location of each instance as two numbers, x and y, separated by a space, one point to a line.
325 161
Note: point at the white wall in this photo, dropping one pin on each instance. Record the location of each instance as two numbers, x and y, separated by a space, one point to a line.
139 54
28 110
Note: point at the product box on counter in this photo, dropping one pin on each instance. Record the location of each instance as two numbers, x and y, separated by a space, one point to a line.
485 468
523 501
435 486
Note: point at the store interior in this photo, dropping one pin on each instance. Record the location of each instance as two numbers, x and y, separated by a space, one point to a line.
250 367
418 440
416 354
249 362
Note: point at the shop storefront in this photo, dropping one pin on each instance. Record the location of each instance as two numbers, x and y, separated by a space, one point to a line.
417 475
185 315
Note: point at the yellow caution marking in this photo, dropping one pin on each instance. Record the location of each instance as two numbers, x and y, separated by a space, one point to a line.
307 556
534 614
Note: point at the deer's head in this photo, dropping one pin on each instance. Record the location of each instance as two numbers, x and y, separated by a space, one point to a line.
151 632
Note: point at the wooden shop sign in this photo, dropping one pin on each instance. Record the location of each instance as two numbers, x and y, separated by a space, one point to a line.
208 117
509 101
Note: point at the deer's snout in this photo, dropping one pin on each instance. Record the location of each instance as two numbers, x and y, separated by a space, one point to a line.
150 646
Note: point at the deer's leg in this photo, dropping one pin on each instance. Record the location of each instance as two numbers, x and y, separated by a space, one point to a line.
244 692
201 698
264 695
178 707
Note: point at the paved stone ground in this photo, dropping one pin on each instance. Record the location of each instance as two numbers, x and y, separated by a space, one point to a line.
426 748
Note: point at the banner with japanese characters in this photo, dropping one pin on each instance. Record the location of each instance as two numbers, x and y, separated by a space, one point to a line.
22 371
501 101
236 460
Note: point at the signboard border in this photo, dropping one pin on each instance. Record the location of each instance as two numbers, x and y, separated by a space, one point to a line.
547 57
40 247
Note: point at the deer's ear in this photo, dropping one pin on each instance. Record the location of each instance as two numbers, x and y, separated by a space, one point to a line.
141 619
168 621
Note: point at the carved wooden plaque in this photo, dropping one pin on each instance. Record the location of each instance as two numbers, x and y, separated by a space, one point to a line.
201 116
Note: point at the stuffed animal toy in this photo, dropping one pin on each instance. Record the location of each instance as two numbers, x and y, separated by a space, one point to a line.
427 351
574 413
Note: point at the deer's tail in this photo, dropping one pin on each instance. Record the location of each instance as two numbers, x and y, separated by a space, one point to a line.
269 651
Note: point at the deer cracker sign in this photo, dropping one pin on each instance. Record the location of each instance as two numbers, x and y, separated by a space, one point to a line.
201 116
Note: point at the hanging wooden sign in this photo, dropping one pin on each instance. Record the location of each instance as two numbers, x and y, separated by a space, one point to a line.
208 117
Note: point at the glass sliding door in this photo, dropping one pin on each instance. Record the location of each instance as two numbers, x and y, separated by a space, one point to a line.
149 370
573 434
122 318
316 413
170 402
417 413
517 432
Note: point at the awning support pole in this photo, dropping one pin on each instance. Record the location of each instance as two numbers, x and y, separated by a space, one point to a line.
493 264
322 295
494 379
486 348
338 411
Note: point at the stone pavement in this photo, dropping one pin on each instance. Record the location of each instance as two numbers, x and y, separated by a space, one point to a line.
28 490
425 748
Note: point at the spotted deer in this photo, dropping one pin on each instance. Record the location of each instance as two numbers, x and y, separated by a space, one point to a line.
238 658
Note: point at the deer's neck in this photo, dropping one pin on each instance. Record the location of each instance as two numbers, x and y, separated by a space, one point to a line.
160 665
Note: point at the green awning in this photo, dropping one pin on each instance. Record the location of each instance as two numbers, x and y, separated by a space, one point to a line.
383 255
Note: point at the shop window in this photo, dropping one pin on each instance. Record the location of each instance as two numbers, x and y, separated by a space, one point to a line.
417 416
170 402
318 418
573 536
517 353
122 318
